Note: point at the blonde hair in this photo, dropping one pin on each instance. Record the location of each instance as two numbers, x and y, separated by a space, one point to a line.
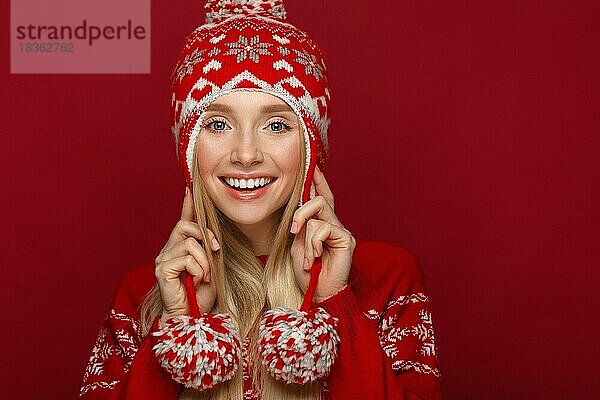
245 289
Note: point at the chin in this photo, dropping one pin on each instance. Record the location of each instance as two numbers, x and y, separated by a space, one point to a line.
249 218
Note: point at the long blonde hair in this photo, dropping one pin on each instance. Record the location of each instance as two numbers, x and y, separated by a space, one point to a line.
245 289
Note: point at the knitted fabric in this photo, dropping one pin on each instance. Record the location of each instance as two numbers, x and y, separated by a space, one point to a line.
249 45
388 347
298 346
199 352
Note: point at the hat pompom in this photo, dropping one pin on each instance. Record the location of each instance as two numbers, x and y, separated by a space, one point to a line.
298 346
219 10
199 352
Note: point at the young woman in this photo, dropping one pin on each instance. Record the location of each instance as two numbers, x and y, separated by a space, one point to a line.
250 115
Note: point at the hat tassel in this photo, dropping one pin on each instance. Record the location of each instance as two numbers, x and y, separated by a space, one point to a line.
299 346
200 350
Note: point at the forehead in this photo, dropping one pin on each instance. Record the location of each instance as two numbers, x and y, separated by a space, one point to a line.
247 100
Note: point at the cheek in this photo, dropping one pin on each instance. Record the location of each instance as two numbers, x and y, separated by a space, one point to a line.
288 157
207 156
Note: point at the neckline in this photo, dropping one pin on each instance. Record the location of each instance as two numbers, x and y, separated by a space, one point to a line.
263 258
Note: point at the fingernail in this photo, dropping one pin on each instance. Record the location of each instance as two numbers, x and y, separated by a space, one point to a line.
216 244
316 254
294 227
305 263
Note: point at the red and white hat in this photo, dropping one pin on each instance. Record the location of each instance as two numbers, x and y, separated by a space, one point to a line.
247 44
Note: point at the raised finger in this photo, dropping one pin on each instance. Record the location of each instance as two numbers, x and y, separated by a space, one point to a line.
322 233
322 187
328 233
317 207
312 227
192 247
185 229
187 210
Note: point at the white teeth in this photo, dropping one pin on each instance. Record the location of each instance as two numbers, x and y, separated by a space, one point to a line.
247 183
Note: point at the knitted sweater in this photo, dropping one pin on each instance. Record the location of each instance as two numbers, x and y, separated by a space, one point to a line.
387 345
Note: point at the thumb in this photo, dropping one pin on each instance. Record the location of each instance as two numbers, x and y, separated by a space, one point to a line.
187 211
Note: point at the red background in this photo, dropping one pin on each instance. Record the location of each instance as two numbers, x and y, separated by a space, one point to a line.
466 131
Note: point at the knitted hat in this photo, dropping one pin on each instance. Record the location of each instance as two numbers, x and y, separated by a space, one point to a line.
248 44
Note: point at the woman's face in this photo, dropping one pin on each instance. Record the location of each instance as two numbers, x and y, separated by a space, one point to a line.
248 154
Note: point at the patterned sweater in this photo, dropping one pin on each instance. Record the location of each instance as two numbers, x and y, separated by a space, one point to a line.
387 344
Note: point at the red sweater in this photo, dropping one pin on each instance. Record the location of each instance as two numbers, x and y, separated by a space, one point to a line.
387 346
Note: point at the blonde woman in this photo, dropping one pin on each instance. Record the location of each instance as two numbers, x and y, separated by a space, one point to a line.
250 112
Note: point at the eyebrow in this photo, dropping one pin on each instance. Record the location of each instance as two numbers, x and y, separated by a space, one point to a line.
271 108
218 107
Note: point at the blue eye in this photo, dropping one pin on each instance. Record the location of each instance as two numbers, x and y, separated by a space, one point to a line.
279 126
216 125
219 125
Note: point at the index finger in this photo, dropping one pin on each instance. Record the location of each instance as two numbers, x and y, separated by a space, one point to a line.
187 211
322 187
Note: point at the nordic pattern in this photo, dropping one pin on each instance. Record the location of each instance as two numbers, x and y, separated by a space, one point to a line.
187 66
311 66
258 53
251 49
119 347
406 333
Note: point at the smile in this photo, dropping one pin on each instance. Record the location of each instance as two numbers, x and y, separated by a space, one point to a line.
247 184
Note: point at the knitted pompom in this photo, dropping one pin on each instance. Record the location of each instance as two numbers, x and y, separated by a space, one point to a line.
298 346
198 352
219 10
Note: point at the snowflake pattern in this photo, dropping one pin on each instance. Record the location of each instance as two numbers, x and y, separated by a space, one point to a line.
97 385
274 44
252 49
100 353
422 331
187 66
111 343
311 66
393 332
127 347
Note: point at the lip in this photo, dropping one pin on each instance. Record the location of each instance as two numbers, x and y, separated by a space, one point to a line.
247 195
247 176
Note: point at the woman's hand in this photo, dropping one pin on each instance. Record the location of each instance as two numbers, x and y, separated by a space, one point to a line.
183 252
319 233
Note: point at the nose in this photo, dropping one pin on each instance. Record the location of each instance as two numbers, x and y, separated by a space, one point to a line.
246 150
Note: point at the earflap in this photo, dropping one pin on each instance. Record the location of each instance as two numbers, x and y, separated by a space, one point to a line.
308 188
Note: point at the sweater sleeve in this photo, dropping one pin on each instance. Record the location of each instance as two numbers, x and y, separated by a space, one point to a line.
122 365
406 335
385 354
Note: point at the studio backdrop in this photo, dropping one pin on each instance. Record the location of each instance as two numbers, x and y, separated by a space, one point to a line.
465 131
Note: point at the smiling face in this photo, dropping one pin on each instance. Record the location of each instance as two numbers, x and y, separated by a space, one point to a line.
248 155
